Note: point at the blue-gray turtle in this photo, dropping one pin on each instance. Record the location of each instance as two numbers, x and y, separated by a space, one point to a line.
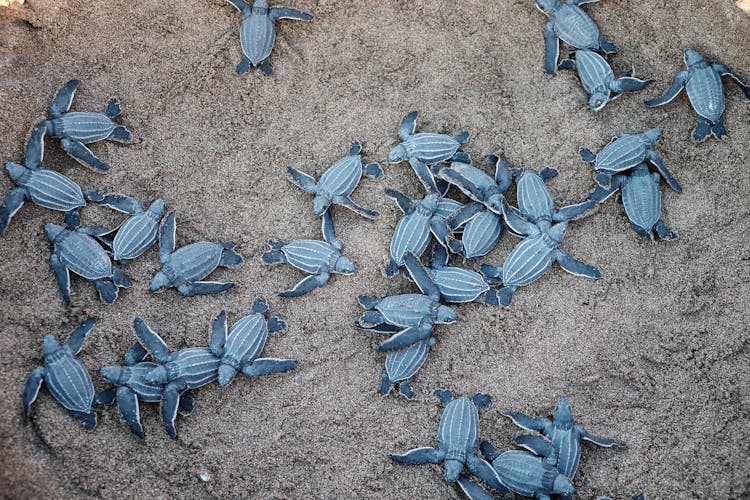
338 182
477 185
43 187
258 32
480 230
131 387
66 377
186 267
139 231
415 313
76 250
401 366
569 23
624 152
425 149
456 284
705 91
421 218
458 437
318 258
245 342
599 80
75 128
641 198
179 371
564 433
543 229
530 473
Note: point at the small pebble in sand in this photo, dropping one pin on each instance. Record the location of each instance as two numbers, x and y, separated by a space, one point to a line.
204 477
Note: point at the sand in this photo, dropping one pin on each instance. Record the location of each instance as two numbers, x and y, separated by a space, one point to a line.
655 353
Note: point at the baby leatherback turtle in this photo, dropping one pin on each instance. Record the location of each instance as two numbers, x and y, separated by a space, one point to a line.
564 433
245 342
401 366
480 230
315 257
624 152
415 313
543 229
569 23
258 32
338 182
45 188
705 91
131 387
185 268
139 231
75 128
76 250
477 185
599 80
424 150
66 377
530 475
458 437
421 218
641 198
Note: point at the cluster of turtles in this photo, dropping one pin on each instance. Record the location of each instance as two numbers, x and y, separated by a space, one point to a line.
436 225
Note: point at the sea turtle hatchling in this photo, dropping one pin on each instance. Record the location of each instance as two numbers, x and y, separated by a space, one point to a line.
66 377
186 267
131 387
564 433
44 188
245 342
139 231
624 152
318 258
530 473
338 182
641 198
258 32
599 80
476 184
543 229
458 437
425 149
76 250
421 218
75 128
705 91
569 23
401 366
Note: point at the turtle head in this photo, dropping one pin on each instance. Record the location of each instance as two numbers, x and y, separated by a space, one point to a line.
226 374
692 57
598 100
345 266
160 281
652 135
430 202
563 486
397 154
53 230
546 6
113 374
16 171
557 231
321 204
50 345
158 375
157 207
446 315
563 414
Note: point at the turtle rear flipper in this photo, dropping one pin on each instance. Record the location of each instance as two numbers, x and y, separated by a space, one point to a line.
243 66
273 257
108 290
230 258
368 301
608 47
105 397
113 108
120 134
266 67
404 387
87 419
275 324
586 155
717 128
169 404
204 288
373 170
505 295
664 232
386 384
83 155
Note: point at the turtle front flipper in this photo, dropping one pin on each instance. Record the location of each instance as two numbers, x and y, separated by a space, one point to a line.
127 405
537 445
599 441
725 71
576 267
121 203
307 285
105 397
329 230
628 84
35 146
424 174
11 205
240 5
420 276
83 155
417 456
301 179
529 423
576 211
277 13
169 404
31 391
78 337
351 205
486 473
62 274
655 159
218 334
551 48
408 126
204 288
269 366
151 340
168 235
472 490
403 202
677 85
64 98
405 338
